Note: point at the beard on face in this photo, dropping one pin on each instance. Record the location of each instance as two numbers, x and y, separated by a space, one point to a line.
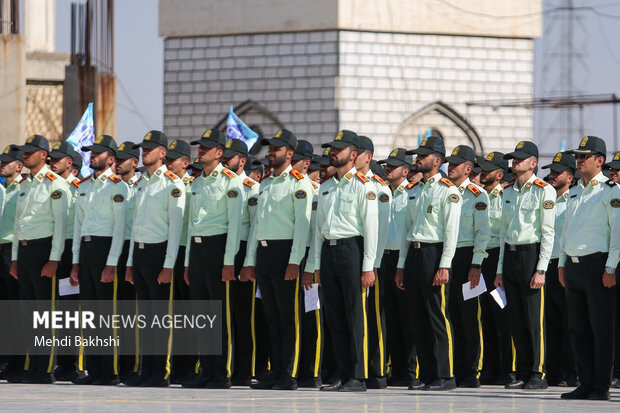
278 161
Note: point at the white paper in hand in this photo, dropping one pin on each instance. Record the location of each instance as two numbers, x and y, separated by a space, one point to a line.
311 298
258 293
500 296
65 287
468 293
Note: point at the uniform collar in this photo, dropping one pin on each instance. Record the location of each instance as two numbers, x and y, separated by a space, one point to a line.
464 185
598 179
41 174
348 176
159 172
497 190
104 175
369 174
186 178
433 179
214 173
132 180
402 187
284 173
563 197
243 175
528 184
71 179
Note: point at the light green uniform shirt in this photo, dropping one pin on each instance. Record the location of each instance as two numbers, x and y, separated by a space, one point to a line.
433 215
474 226
215 209
527 218
384 196
74 184
130 205
7 219
160 201
560 215
100 211
250 201
315 204
398 213
592 222
347 208
495 215
188 197
42 211
284 212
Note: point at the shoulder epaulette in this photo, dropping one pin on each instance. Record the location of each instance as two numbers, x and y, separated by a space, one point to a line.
248 182
411 185
85 179
76 183
474 189
611 183
50 176
228 173
114 178
539 183
314 185
170 175
191 179
446 182
362 177
379 179
298 175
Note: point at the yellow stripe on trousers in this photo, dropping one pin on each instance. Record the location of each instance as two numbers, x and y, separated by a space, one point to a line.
253 328
379 328
365 338
136 361
296 355
169 351
50 365
481 358
448 329
229 330
542 331
514 355
114 310
317 355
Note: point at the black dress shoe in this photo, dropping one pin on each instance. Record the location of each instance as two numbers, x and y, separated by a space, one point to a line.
15 376
40 378
400 381
66 374
335 385
353 385
580 393
376 383
441 384
136 380
514 384
198 382
313 383
127 375
416 384
81 381
599 395
219 383
536 383
615 383
286 383
470 382
241 382
266 384
154 381
572 381
107 381
182 378
502 379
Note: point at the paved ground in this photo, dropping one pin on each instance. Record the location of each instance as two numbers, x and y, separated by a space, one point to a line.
92 399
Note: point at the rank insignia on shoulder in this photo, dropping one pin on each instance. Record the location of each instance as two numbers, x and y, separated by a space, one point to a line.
495 191
232 193
50 176
480 206
411 185
115 178
170 175
611 183
454 198
253 201
446 182
191 179
118 198
228 173
540 183
76 183
384 198
314 185
474 190
378 179
176 192
56 194
371 195
301 194
248 182
349 175
186 179
615 203
297 175
548 204
315 205
362 177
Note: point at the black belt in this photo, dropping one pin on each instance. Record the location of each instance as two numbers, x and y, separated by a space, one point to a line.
418 245
388 252
89 238
342 241
5 246
274 242
143 245
199 239
587 258
522 247
25 242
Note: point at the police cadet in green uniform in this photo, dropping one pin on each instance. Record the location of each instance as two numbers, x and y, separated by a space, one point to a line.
560 362
498 354
400 344
344 253
11 165
61 163
423 268
526 242
314 170
276 248
614 169
98 234
214 228
127 157
589 255
474 236
39 239
375 314
157 227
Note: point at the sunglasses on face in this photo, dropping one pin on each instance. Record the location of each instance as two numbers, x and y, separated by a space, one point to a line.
583 157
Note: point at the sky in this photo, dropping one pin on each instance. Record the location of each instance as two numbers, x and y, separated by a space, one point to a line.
139 68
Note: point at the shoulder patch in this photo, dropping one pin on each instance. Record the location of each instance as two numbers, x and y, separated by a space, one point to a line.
548 204
446 182
480 206
115 178
228 173
540 183
297 175
76 183
474 189
378 179
384 198
176 192
248 182
363 178
615 203
253 201
232 193
371 195
118 198
51 176
56 194
411 185
170 175
454 198
301 194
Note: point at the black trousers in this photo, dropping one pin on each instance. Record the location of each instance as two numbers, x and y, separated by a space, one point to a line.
181 364
148 262
498 355
32 286
429 311
206 259
399 334
93 257
526 309
560 361
312 335
127 363
375 319
69 361
9 290
590 321
244 298
345 306
617 351
281 306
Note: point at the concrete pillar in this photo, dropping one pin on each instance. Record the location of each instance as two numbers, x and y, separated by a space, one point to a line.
12 89
40 25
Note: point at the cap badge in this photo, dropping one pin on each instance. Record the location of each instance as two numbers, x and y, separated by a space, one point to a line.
326 151
394 153
207 134
173 145
558 157
339 136
30 139
57 146
520 144
122 147
7 149
583 143
278 134
616 157
424 142
229 144
455 151
490 156
99 139
148 136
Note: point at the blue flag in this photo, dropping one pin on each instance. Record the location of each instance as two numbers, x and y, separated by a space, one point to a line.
84 135
237 129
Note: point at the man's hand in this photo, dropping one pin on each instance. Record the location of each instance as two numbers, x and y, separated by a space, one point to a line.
562 276
49 269
73 277
368 279
165 276
129 275
228 273
399 279
186 275
292 272
499 282
537 281
13 271
248 274
609 280
306 280
317 275
474 277
442 276
108 273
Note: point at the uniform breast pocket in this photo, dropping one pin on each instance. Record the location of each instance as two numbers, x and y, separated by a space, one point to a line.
347 202
214 200
42 196
529 210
